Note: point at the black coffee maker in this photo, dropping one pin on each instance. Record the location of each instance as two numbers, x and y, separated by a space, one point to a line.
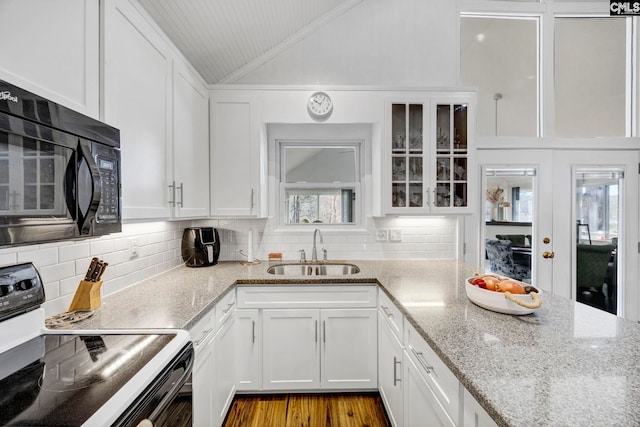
200 246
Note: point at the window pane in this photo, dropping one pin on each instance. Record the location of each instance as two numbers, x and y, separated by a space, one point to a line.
499 57
320 206
590 57
319 164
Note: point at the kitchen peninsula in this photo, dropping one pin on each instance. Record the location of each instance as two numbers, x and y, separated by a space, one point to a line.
565 365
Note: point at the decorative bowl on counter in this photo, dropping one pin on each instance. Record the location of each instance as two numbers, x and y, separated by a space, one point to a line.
503 302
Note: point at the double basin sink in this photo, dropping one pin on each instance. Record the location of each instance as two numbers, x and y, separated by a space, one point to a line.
313 269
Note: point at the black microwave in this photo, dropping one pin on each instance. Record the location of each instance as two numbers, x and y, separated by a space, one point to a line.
59 171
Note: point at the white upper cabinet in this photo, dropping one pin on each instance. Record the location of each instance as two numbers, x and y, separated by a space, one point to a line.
189 184
235 156
52 49
161 109
428 155
137 97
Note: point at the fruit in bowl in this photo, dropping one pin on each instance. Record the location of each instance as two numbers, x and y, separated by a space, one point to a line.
502 294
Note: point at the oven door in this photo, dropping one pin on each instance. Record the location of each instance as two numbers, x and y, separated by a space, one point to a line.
161 404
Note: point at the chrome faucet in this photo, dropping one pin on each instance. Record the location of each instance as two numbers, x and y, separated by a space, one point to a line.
314 252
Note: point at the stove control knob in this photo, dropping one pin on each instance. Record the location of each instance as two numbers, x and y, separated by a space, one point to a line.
23 285
4 290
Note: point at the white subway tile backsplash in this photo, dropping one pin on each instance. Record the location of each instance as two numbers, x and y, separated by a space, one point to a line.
39 257
73 252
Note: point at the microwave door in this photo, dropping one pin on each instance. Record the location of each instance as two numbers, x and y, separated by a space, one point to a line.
89 188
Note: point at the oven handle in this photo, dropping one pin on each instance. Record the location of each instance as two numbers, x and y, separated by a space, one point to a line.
84 151
173 392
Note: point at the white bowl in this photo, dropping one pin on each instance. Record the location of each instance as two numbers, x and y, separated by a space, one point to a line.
496 301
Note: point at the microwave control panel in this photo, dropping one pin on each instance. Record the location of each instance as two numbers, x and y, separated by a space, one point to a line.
107 160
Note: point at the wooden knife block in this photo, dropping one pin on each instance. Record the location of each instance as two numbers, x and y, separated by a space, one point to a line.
87 296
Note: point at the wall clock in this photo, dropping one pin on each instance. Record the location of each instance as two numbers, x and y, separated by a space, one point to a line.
320 106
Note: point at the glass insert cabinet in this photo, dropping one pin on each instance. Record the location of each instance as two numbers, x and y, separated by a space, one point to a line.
429 145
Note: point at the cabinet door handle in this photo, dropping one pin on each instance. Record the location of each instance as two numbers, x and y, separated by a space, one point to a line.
253 331
386 311
434 196
252 194
316 328
172 188
324 332
181 189
396 362
420 357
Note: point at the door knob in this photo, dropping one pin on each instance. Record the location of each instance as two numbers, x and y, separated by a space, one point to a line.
546 254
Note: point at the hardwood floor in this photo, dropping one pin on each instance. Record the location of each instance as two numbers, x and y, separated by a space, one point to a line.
308 410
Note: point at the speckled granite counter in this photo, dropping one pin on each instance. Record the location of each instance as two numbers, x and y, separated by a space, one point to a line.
565 365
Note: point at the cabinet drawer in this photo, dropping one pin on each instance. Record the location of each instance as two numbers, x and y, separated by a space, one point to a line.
392 314
307 296
443 383
224 309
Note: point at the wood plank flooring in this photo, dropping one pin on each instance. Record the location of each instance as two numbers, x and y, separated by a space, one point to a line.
308 410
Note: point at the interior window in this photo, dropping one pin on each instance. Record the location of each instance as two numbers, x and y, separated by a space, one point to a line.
499 56
590 76
319 182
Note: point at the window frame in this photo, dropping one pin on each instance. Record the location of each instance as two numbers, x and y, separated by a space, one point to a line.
357 186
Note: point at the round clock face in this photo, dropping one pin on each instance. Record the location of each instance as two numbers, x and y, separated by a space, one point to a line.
320 106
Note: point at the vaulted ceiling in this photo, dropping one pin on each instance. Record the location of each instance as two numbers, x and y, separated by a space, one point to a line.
224 39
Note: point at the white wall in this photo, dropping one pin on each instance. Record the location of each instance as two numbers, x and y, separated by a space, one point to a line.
377 42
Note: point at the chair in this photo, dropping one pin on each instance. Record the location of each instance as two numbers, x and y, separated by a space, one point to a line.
501 260
515 239
592 263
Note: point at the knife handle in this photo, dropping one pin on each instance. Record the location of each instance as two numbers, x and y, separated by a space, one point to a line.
92 266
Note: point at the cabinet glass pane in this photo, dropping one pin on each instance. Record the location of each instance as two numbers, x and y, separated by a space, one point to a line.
444 169
460 127
30 200
399 127
443 195
460 194
443 120
415 196
4 171
4 198
460 169
590 76
399 168
415 128
398 195
415 169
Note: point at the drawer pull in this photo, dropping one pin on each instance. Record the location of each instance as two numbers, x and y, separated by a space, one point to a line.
324 332
203 337
420 357
316 328
226 310
396 362
386 311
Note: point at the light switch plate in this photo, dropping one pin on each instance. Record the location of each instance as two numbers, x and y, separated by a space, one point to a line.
395 235
382 235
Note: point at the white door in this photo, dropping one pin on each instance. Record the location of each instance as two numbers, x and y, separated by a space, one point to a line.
291 349
566 165
540 163
349 348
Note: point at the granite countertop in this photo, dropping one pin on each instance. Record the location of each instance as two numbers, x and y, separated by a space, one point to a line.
567 364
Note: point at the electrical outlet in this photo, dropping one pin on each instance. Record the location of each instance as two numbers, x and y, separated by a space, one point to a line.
381 235
133 248
395 235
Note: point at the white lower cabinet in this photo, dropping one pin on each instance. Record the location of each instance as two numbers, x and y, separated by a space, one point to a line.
474 414
249 349
224 375
390 366
421 406
202 336
300 342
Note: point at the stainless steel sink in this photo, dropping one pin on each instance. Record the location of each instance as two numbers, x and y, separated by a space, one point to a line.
306 269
